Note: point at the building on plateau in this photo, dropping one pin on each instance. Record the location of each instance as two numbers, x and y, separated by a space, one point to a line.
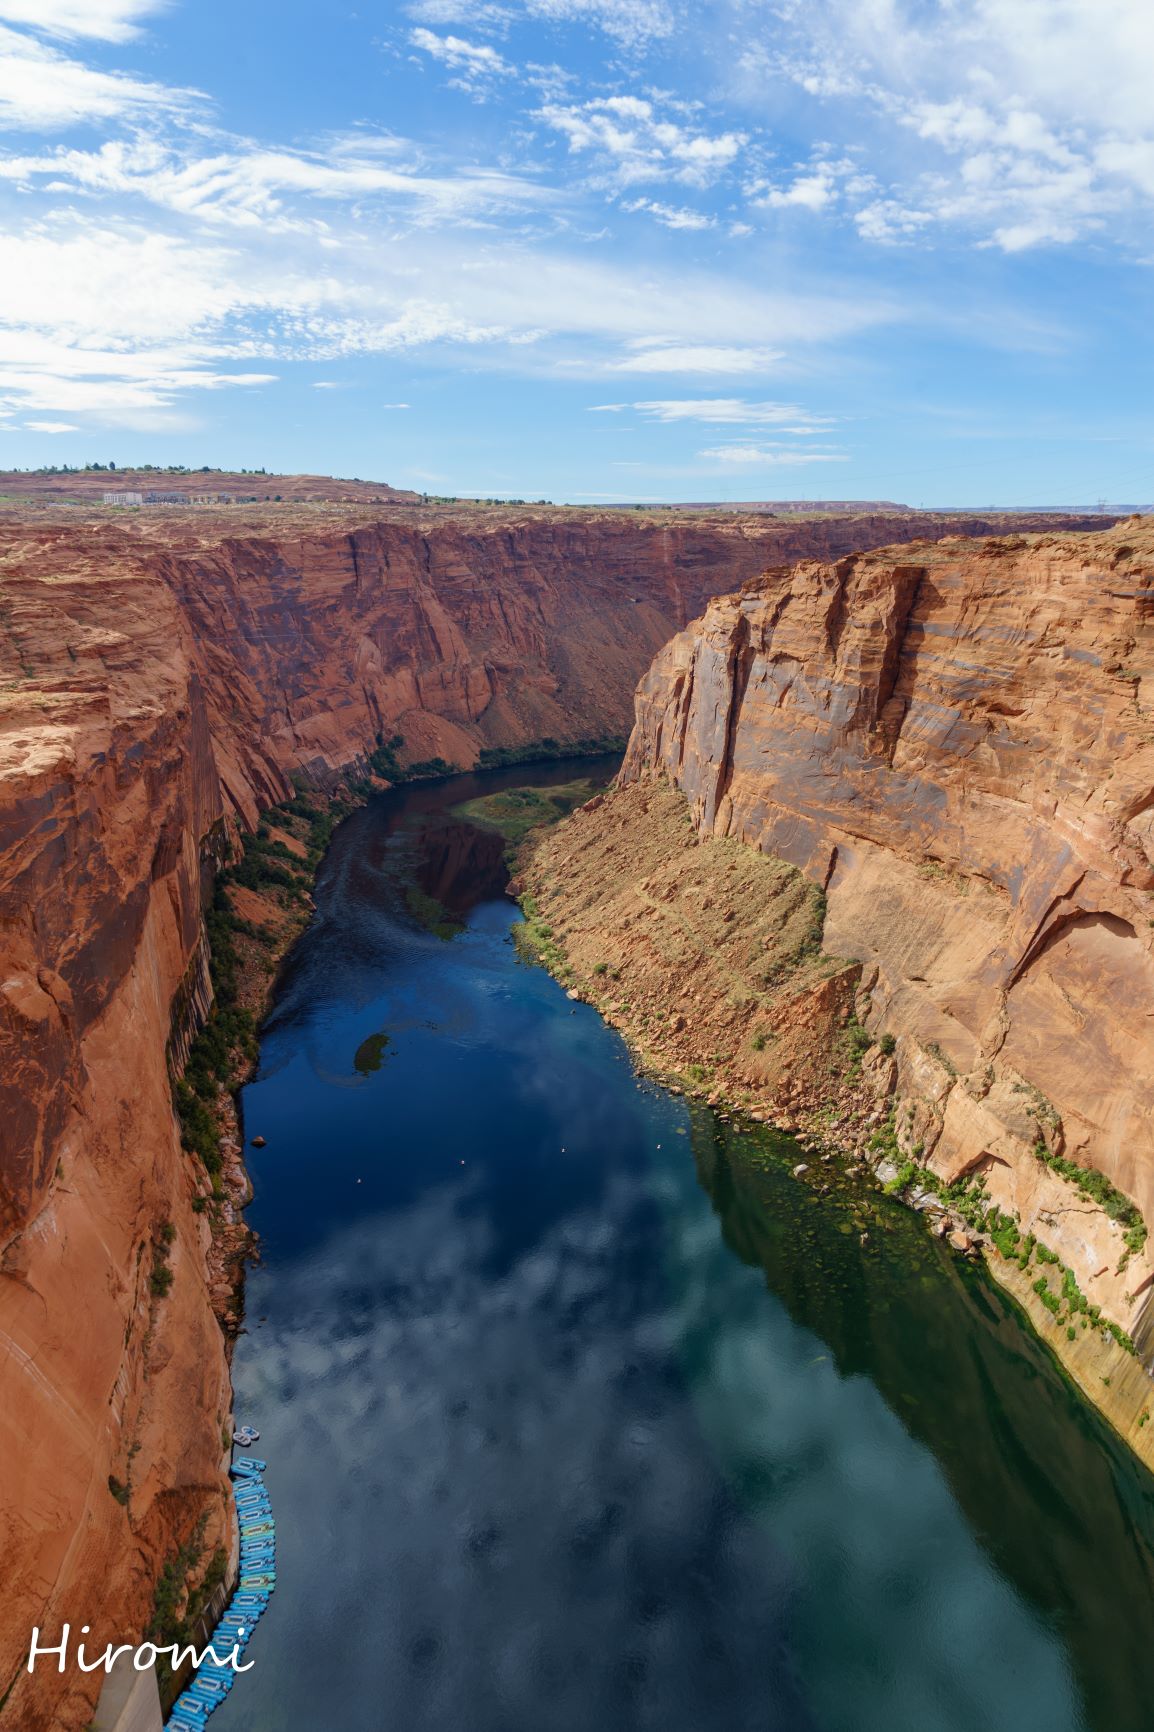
146 499
156 498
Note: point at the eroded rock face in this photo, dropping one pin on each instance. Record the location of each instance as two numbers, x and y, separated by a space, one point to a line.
957 742
160 678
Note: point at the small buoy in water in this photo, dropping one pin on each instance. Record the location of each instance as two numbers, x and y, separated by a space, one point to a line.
258 1142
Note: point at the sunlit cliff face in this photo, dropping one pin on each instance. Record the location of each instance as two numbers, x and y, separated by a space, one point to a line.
955 742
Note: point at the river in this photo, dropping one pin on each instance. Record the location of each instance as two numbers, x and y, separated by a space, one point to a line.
581 1413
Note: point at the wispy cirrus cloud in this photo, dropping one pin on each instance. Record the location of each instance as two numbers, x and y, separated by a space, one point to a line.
672 216
655 355
769 456
722 411
239 183
120 322
105 20
44 89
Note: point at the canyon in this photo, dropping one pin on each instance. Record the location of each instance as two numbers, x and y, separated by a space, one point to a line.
166 676
954 743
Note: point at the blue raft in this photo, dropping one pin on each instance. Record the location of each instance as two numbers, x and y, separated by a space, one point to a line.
211 1682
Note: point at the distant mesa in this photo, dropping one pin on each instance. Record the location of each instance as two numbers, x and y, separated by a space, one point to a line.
178 486
155 485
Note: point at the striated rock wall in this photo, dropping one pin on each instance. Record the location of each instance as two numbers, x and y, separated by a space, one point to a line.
957 742
160 678
109 787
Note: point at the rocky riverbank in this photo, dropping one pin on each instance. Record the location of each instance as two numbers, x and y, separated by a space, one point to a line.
707 956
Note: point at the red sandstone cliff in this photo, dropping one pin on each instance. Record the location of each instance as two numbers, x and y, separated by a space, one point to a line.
159 679
957 742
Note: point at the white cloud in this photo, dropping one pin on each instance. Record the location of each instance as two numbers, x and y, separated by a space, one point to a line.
477 66
456 52
718 358
396 405
630 138
809 191
114 320
733 411
106 286
108 20
45 90
632 23
769 457
1032 118
481 16
52 426
671 216
249 186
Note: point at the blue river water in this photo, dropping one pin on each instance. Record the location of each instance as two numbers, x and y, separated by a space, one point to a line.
582 1413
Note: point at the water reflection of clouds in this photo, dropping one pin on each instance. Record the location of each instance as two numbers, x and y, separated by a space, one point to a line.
516 1515
497 1507
904 1622
521 1512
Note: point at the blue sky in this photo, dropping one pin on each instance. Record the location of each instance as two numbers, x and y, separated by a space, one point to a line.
586 249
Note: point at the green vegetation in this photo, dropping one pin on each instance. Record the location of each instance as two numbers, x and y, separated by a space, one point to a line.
137 468
884 1141
516 811
383 762
904 1178
370 1053
229 1030
160 1279
887 1044
118 1489
176 1604
542 751
969 1198
1095 1187
807 945
534 940
431 914
227 1041
856 1042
